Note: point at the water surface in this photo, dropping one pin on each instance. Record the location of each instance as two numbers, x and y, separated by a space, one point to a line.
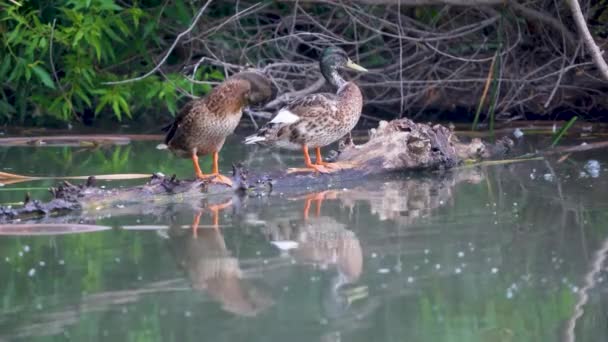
495 253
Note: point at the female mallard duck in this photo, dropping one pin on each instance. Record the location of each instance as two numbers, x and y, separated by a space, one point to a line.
203 124
317 120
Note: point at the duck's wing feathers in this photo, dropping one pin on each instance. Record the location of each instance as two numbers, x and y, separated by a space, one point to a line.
313 105
307 108
313 109
172 128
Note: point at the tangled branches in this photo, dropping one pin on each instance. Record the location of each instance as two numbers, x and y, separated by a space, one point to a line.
434 57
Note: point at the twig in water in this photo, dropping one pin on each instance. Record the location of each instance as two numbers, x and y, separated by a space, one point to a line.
6 177
563 130
486 87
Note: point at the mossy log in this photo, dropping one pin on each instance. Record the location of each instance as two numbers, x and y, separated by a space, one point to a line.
396 146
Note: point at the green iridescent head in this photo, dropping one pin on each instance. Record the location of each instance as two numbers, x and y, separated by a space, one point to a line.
333 58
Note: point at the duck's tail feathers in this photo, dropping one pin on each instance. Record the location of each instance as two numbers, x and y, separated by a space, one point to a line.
254 139
169 131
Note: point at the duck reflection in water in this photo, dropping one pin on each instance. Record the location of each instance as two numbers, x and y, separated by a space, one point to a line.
323 242
211 267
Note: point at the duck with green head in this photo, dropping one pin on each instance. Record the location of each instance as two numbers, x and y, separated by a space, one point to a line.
317 120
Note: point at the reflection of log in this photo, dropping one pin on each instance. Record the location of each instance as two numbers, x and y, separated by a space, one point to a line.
398 145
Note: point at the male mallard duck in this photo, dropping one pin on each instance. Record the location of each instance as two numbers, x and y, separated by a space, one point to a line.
203 124
317 120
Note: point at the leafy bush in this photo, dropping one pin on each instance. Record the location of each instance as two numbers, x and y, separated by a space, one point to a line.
57 54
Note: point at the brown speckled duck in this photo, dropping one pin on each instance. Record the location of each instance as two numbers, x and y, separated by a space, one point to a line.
317 120
203 124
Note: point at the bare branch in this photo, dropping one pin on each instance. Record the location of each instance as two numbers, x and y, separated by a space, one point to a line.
583 30
164 59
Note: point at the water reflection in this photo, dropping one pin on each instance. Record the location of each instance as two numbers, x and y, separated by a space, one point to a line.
482 254
211 267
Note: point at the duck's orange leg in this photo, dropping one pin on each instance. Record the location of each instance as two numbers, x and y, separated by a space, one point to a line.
318 199
309 165
197 168
215 211
215 175
197 219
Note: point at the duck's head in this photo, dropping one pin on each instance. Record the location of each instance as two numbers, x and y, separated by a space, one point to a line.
260 90
334 57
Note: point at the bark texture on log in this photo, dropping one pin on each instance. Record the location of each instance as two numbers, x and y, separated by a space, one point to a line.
399 145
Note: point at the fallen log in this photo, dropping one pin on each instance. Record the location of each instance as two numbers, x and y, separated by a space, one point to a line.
399 145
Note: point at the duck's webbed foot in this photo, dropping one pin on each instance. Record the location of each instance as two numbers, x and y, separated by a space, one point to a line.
216 178
309 168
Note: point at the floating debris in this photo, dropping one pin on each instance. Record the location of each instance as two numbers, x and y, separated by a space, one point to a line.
518 133
458 270
461 254
285 245
494 270
593 168
31 272
384 271
548 177
410 279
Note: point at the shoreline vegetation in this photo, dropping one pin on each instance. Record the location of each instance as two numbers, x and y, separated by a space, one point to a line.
487 60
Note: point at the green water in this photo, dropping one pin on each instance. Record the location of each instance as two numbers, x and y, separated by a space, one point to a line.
499 253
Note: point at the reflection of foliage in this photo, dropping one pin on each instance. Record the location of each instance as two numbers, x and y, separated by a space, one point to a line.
92 42
136 157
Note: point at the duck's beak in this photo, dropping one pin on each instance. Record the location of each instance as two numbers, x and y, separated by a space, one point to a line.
352 65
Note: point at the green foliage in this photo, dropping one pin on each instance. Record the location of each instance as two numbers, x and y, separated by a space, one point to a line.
57 54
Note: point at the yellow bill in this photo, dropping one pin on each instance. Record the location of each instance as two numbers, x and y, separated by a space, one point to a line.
352 65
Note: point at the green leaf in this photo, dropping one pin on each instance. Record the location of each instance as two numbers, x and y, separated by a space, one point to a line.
109 5
558 136
102 103
78 37
124 106
116 108
17 70
44 76
112 35
4 67
78 91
